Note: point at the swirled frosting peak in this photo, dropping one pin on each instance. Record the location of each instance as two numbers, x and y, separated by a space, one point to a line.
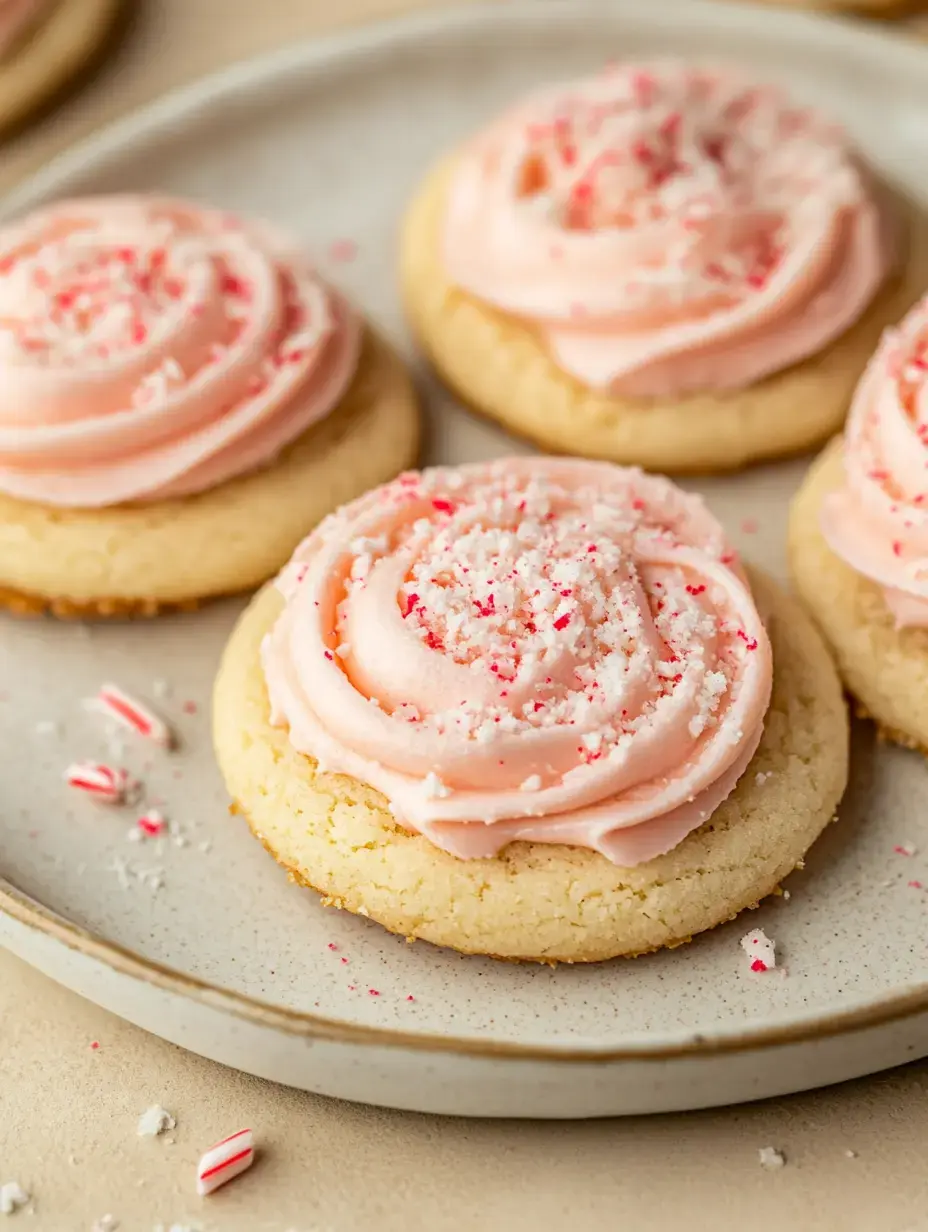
878 520
556 651
152 348
666 228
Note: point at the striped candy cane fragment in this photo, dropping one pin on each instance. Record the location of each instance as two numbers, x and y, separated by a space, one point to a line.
152 823
118 705
225 1160
108 784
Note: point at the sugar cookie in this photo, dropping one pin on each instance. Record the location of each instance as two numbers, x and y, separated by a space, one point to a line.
43 45
859 537
584 272
182 400
524 709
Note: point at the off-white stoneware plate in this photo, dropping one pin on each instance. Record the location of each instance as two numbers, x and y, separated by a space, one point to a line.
206 943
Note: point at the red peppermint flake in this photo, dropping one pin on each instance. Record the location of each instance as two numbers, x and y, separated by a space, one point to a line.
343 250
750 643
897 547
235 287
442 505
411 602
758 965
329 655
696 590
562 621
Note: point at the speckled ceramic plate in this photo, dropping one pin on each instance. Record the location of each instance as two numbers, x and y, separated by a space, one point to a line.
200 937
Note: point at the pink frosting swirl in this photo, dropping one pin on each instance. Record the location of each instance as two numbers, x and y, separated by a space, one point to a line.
16 16
666 228
556 651
152 349
878 520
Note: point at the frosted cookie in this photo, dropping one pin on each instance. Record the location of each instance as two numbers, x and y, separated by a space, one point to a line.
532 709
181 400
43 45
661 265
867 8
859 537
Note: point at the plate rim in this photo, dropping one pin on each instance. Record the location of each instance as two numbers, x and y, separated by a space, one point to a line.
312 54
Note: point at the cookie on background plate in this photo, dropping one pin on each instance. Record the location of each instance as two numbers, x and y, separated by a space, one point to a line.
668 266
858 538
864 8
181 400
43 45
533 709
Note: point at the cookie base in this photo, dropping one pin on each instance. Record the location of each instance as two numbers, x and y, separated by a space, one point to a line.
499 366
143 559
60 48
884 668
535 901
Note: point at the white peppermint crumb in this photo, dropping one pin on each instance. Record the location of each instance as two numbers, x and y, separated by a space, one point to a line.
160 688
770 1157
47 727
155 1120
206 847
850 1154
434 787
106 1223
72 1160
786 894
761 777
12 1197
170 1141
757 945
134 835
532 783
907 849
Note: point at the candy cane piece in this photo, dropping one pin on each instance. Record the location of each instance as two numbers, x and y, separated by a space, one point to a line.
132 714
225 1160
105 783
152 823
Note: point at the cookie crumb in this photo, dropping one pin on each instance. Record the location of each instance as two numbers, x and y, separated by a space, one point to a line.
12 1197
769 1157
154 1121
760 949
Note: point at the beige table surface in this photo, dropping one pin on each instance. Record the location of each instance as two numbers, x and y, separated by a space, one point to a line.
68 1112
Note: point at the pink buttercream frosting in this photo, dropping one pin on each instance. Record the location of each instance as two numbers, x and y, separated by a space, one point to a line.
16 16
878 520
550 650
667 229
152 348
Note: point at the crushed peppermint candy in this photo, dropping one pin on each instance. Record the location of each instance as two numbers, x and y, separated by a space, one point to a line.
131 714
154 1121
224 1161
760 949
108 784
106 1223
12 1197
151 824
769 1157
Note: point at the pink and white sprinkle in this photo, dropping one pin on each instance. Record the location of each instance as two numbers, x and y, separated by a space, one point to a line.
224 1161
